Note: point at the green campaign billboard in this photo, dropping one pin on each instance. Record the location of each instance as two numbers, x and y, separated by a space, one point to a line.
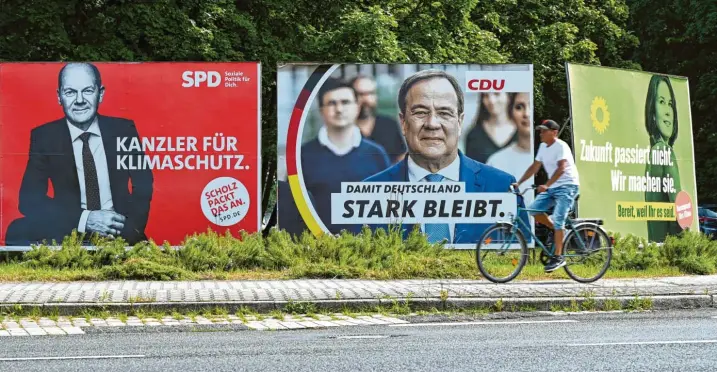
632 138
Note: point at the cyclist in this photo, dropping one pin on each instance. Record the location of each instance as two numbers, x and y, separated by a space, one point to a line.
560 190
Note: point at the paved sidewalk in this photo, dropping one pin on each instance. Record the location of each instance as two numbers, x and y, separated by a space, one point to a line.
266 295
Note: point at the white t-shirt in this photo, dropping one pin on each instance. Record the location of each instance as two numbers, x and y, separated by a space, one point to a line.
550 155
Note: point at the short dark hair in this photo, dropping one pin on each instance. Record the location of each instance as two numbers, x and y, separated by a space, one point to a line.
358 77
651 119
426 75
334 84
92 67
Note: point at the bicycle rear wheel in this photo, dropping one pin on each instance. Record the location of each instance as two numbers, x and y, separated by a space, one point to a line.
588 252
501 253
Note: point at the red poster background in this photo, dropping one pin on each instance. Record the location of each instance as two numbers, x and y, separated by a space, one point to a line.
152 95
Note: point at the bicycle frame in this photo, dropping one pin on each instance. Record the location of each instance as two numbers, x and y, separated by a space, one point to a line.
513 224
569 225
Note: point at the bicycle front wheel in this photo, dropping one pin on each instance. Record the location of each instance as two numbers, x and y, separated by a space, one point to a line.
501 253
588 252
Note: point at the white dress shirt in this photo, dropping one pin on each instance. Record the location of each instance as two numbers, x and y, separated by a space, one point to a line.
103 177
451 173
355 141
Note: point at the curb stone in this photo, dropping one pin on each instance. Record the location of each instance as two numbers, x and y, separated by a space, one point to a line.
659 302
545 303
169 328
62 326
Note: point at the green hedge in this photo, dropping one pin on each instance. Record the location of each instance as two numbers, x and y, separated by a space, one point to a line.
380 255
691 252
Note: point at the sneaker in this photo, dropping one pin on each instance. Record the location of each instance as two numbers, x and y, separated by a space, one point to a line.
554 263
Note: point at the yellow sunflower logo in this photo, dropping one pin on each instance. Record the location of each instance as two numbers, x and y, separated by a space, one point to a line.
599 104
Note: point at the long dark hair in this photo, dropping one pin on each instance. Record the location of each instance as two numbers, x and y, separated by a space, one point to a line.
511 103
483 113
650 117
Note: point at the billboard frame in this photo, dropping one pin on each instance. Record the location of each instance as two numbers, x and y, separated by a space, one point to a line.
259 127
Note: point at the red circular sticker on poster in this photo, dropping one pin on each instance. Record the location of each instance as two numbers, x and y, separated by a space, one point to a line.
683 208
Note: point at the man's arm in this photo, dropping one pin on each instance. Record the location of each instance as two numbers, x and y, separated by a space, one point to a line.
142 189
49 218
532 170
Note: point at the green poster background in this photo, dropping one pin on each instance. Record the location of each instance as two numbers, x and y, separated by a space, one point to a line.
609 106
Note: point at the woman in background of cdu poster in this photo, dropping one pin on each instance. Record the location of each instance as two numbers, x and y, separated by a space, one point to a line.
662 127
517 156
492 129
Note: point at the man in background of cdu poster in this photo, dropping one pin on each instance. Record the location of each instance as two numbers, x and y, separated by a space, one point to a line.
78 155
431 111
339 153
381 129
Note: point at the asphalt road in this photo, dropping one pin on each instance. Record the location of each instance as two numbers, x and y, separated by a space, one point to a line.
667 341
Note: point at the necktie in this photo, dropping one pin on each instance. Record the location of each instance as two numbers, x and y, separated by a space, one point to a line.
437 231
92 187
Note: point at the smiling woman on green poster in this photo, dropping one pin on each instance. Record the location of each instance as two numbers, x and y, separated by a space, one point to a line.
632 130
662 127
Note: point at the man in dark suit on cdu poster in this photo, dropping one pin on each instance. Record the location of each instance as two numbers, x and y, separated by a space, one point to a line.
431 114
78 155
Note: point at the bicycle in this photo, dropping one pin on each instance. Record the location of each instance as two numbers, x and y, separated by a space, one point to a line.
572 241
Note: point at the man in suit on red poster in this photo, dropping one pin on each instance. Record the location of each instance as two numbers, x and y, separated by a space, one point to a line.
77 156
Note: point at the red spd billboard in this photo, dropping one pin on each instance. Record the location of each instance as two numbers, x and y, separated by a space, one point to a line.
133 150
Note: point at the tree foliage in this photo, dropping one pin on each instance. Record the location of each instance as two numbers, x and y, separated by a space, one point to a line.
549 33
678 39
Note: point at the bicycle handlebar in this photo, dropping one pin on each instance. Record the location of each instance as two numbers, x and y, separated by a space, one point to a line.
517 191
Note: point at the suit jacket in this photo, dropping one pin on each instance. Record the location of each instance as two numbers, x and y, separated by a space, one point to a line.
478 177
52 159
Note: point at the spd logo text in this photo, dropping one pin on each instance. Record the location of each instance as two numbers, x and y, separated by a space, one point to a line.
196 79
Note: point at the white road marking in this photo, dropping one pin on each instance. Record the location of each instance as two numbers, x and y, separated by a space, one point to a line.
73 357
648 343
484 323
364 336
